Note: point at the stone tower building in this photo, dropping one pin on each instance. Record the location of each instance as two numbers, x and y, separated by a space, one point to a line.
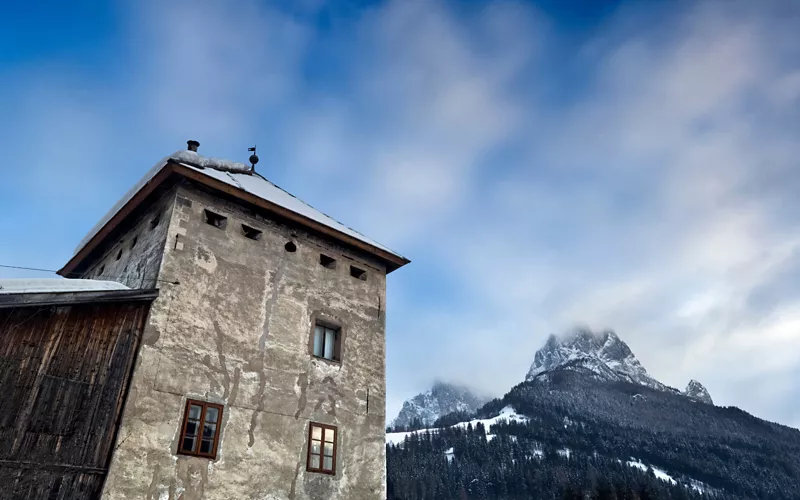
261 371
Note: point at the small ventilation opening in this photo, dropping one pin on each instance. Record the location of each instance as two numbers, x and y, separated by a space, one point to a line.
134 242
358 273
119 254
154 221
251 232
101 270
290 247
216 220
326 261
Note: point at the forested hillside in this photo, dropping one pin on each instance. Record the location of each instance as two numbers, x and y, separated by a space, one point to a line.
587 438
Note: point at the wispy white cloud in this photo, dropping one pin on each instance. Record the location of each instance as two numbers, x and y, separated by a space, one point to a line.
638 211
640 178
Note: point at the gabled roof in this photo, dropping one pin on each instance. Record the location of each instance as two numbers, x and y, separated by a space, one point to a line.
240 181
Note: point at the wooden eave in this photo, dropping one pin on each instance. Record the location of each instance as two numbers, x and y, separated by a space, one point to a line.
40 299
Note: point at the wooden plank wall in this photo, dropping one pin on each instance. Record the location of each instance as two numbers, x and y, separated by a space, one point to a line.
64 372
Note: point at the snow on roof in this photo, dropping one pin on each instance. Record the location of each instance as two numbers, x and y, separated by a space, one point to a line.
268 191
55 285
239 176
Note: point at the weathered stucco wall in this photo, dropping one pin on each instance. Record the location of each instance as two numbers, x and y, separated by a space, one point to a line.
134 258
236 331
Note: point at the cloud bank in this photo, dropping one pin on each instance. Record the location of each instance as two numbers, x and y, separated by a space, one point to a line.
639 173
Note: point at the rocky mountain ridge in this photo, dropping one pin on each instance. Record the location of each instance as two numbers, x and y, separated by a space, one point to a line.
639 443
441 399
602 356
590 422
696 390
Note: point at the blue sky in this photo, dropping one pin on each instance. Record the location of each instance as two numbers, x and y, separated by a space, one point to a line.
628 165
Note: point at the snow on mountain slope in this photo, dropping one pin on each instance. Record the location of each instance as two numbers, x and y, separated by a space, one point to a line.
439 400
507 414
603 354
659 473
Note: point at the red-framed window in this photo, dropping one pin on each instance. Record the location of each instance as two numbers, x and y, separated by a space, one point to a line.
321 448
200 430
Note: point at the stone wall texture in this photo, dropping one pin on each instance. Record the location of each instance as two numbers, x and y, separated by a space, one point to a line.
236 330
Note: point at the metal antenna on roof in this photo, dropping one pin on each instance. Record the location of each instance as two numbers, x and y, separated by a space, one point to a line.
253 158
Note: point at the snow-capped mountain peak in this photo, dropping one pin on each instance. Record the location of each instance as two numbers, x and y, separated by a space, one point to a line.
696 390
602 354
439 400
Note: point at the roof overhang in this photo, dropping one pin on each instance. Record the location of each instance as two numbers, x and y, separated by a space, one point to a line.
392 261
40 299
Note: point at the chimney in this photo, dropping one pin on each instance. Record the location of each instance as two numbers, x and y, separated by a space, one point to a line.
193 145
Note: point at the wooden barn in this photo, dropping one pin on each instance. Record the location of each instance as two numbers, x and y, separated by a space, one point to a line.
66 358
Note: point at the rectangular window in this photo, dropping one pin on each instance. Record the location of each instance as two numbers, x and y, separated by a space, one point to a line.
327 343
326 261
251 232
200 431
358 273
215 219
321 448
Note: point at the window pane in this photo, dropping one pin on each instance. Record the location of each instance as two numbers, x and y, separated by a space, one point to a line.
191 428
315 461
209 430
206 446
315 447
212 414
188 444
330 342
318 336
327 463
328 449
330 435
194 412
316 433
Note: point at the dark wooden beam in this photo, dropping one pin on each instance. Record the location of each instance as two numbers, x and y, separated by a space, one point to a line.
38 299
